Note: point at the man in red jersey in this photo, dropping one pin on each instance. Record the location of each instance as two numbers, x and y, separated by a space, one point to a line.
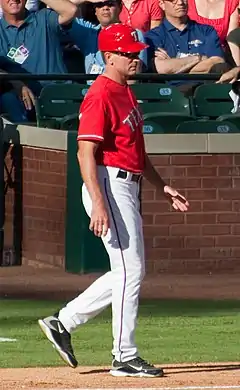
112 160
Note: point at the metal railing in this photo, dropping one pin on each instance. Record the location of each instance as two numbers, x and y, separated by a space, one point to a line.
82 76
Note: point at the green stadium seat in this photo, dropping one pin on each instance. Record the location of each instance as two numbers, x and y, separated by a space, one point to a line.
70 122
212 100
154 97
207 127
152 127
164 105
233 118
56 101
168 122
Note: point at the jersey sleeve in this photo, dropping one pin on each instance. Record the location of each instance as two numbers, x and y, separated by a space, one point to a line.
93 119
155 10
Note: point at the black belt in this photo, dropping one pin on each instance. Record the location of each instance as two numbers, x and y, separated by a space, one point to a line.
134 177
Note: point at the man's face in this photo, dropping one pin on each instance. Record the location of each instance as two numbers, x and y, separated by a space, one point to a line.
13 7
174 8
107 12
124 63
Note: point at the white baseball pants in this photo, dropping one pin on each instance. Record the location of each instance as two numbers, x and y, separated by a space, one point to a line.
125 247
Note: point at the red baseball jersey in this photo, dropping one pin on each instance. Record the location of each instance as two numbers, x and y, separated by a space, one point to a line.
110 115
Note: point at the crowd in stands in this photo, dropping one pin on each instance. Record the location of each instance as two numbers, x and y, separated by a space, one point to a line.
60 36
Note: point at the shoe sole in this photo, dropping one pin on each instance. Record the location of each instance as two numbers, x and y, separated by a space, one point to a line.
119 373
45 329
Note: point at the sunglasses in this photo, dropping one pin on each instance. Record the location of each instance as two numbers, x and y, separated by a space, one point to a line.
130 56
106 4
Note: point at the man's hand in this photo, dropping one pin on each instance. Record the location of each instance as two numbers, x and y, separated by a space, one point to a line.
229 77
161 54
27 98
177 200
99 223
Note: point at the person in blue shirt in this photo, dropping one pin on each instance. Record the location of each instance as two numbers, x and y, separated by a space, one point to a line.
85 34
180 45
30 43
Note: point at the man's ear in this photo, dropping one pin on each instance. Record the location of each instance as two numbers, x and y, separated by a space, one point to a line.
162 5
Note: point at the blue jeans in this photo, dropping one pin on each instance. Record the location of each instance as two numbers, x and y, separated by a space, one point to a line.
13 107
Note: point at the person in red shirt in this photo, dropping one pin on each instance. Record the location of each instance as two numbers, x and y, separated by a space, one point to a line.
112 160
141 14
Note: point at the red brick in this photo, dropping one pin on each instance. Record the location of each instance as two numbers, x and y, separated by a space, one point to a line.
200 194
169 219
185 230
199 242
28 152
57 156
229 194
186 182
235 252
147 219
157 253
201 171
195 206
44 189
168 242
237 159
218 206
160 160
155 207
236 205
236 229
146 185
52 178
148 195
232 241
236 182
200 218
171 172
216 230
33 165
215 253
153 231
34 200
39 154
217 159
228 171
184 253
55 203
185 160
228 218
148 242
217 183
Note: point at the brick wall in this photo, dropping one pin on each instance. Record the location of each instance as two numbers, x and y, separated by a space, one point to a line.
207 238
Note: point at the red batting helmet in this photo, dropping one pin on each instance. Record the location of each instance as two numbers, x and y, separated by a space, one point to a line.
120 38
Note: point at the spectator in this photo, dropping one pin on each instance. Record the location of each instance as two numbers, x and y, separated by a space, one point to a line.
30 43
220 14
180 45
31 5
85 35
141 14
230 76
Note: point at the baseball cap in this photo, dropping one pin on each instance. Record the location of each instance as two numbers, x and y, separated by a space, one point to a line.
234 36
119 37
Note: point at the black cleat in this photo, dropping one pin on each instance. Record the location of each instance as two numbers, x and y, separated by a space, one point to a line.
60 338
135 367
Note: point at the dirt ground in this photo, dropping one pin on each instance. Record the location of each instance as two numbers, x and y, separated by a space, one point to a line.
49 283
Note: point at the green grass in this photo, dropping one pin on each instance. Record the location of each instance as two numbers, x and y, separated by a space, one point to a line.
183 331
